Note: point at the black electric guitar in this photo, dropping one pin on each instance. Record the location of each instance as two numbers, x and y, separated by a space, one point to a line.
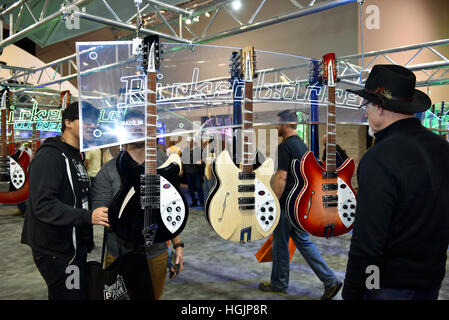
149 207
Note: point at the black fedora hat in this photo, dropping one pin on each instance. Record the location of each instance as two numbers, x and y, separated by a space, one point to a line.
393 88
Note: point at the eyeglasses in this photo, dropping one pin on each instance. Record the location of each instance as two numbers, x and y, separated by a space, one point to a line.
365 104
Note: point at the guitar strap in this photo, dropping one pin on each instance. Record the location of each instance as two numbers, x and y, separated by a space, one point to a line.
69 174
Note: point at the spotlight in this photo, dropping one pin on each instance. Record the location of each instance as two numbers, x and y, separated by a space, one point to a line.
207 14
236 5
188 21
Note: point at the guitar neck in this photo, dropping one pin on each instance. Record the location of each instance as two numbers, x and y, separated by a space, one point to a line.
3 142
248 131
150 124
331 145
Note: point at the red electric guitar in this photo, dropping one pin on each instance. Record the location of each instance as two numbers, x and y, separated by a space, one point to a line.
14 181
323 201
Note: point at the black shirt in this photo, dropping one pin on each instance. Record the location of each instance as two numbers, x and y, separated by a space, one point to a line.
292 148
402 220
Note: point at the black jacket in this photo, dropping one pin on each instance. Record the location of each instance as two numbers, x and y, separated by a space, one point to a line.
402 217
54 208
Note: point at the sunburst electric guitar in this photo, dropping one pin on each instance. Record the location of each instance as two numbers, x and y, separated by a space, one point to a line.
14 180
323 201
149 207
242 206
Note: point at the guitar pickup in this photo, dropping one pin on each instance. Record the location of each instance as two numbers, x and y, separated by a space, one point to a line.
149 179
247 200
247 188
329 186
150 189
330 198
330 175
247 175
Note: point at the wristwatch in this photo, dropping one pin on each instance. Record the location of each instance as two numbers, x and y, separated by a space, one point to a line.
179 244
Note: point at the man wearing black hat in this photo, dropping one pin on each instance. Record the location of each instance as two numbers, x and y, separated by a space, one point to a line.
57 220
400 237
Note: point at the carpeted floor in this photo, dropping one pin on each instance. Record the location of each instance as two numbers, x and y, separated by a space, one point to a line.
213 268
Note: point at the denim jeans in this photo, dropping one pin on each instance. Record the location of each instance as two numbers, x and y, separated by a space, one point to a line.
194 185
402 294
281 264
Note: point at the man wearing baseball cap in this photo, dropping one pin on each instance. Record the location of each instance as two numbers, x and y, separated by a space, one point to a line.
400 236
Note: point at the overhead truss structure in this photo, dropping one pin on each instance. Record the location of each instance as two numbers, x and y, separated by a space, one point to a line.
152 16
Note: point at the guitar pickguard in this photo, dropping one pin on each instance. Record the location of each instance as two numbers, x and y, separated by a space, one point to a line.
172 206
265 206
16 173
346 203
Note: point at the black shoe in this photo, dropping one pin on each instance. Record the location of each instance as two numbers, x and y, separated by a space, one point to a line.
267 287
331 291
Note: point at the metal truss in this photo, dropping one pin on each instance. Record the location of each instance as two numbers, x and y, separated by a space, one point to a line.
353 68
154 15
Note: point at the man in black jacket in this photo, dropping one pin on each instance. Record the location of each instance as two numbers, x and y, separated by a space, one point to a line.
400 236
57 221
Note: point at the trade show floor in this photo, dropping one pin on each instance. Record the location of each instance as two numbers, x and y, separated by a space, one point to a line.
213 268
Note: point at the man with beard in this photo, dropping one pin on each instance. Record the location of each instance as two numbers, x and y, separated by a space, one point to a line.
292 147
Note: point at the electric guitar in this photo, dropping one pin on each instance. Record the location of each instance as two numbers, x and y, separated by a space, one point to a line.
323 201
149 207
14 180
242 206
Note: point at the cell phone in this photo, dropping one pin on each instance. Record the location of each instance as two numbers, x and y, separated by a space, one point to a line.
174 265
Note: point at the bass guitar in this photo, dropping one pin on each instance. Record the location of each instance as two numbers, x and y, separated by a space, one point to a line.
149 207
323 201
14 180
242 206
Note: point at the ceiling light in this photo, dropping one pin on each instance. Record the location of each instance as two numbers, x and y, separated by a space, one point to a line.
207 14
236 5
188 21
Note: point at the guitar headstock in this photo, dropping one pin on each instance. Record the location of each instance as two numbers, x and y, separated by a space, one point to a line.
329 69
315 72
236 65
151 53
5 99
248 56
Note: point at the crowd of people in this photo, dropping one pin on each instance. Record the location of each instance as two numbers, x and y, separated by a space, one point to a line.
401 217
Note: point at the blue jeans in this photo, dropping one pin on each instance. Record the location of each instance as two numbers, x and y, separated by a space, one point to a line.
281 264
402 294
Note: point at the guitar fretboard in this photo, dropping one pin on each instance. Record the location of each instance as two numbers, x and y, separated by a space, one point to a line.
3 142
331 146
150 123
248 131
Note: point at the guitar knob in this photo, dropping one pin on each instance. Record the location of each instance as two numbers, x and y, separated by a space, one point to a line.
345 206
271 218
263 209
262 218
352 206
169 209
345 214
352 214
178 218
168 218
270 209
178 209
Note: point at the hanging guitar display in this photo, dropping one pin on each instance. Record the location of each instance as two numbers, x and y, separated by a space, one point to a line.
242 206
323 201
149 207
14 180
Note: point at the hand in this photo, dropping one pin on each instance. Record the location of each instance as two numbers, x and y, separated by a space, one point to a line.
173 273
100 217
